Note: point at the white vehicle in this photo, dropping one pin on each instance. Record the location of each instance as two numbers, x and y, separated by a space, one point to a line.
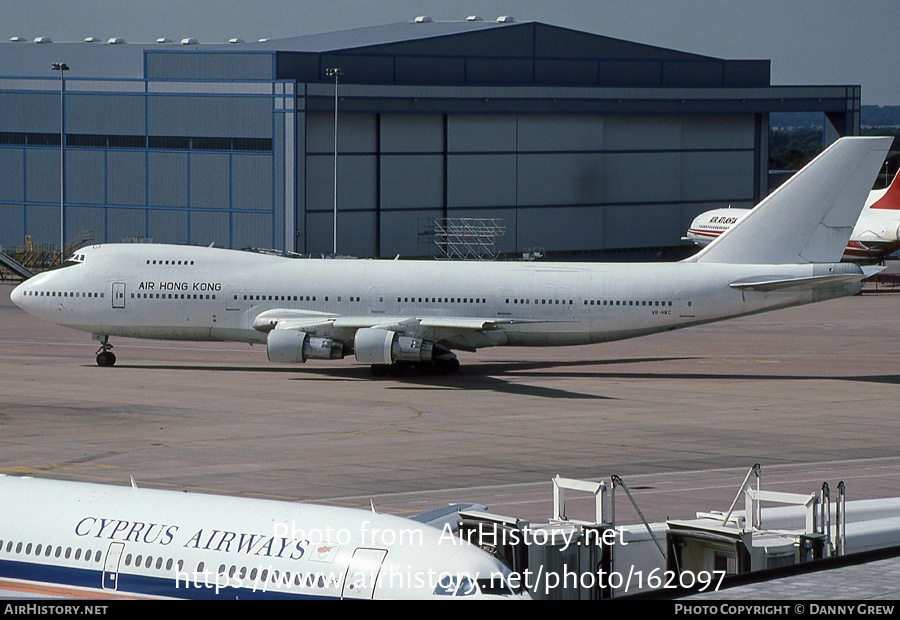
74 539
393 314
875 235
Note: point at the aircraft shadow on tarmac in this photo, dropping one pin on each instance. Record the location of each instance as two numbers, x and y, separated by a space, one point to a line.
496 377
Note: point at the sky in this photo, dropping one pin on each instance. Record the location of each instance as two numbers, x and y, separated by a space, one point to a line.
809 42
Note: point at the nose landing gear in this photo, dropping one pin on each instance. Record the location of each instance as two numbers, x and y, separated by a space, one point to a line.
105 357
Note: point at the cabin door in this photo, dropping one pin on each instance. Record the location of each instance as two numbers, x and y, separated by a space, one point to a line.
111 566
362 574
377 302
685 307
118 295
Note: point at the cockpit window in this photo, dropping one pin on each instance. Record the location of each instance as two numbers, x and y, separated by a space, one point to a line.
463 585
74 259
495 585
467 587
446 586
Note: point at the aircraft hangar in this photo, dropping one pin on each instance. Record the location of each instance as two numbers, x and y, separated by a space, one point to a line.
577 142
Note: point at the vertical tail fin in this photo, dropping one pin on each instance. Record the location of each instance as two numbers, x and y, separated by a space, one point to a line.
889 198
810 217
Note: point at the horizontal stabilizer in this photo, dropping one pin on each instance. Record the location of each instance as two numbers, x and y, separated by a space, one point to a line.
871 270
767 285
809 218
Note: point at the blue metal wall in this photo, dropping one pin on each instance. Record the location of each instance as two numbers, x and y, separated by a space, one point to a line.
177 167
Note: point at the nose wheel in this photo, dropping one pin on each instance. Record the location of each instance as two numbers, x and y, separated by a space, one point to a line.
105 357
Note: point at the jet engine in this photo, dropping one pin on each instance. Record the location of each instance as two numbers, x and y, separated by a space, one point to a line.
382 346
288 346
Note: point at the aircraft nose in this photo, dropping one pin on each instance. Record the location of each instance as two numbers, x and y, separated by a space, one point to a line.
17 294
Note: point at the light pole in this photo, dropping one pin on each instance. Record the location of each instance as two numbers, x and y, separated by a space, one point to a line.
336 73
62 68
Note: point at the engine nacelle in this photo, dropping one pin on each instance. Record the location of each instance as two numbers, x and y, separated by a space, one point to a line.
382 346
288 346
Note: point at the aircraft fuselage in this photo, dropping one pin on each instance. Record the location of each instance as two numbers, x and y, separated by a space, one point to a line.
189 293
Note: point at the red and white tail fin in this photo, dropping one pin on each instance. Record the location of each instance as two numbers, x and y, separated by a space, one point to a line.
887 198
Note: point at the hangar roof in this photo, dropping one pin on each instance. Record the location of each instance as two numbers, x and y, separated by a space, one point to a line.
356 38
430 52
410 36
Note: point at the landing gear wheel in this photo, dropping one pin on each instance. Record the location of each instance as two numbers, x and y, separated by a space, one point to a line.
398 369
440 366
379 370
447 366
106 358
443 365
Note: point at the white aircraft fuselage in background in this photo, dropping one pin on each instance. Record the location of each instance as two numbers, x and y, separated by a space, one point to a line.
875 234
418 312
71 539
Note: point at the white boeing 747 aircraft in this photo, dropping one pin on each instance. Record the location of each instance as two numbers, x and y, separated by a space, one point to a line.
875 235
786 252
74 539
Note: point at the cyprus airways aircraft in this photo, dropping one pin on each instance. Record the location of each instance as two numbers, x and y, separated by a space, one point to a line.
875 235
786 252
73 539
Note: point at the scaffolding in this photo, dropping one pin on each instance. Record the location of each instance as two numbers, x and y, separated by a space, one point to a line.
461 238
37 257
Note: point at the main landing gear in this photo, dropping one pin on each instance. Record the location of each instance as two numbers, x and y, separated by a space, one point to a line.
443 365
105 357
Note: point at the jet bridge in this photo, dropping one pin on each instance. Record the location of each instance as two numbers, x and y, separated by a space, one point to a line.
594 558
568 558
541 555
803 528
735 543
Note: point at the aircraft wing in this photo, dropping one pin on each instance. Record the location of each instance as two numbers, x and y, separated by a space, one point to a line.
463 333
286 318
